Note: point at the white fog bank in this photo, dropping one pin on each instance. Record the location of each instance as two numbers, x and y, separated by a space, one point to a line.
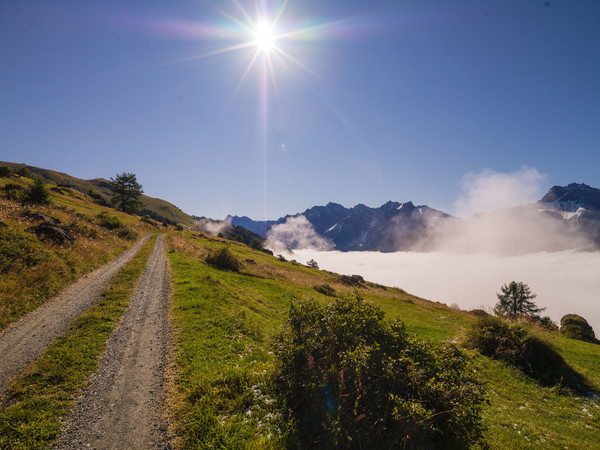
565 282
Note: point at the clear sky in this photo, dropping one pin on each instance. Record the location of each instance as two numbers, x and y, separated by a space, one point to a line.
347 101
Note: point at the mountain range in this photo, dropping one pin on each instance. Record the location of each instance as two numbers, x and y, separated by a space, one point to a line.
566 217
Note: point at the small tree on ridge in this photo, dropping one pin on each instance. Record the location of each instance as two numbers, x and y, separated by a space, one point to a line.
515 299
126 192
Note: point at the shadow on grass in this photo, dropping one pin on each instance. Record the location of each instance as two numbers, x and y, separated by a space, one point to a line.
514 344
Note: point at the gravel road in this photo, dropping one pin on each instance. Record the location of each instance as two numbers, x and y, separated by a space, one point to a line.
122 408
24 341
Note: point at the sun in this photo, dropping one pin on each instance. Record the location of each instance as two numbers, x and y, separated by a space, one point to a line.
264 36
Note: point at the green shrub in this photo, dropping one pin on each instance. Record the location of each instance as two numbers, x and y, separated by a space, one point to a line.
256 244
109 221
545 323
126 233
518 347
347 378
22 171
13 191
325 289
5 171
223 258
479 313
353 280
576 327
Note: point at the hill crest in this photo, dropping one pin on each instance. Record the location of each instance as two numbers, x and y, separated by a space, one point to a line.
99 189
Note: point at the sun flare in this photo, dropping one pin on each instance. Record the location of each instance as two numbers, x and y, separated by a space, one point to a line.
264 37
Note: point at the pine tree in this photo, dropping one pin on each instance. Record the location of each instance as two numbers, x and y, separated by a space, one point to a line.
37 193
515 300
312 263
126 192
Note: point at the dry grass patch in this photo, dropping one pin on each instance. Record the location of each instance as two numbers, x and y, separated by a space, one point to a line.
33 270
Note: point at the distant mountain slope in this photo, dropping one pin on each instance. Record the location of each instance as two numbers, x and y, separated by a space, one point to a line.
99 187
260 227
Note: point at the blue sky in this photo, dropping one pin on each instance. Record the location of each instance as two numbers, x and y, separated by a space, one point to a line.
372 101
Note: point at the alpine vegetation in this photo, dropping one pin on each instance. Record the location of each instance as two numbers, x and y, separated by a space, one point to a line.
351 379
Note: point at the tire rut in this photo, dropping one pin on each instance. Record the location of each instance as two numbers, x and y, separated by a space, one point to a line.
123 405
25 340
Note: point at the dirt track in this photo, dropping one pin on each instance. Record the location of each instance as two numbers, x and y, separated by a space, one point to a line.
24 341
122 407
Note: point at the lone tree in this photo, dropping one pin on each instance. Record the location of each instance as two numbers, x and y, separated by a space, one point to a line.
515 300
313 264
126 192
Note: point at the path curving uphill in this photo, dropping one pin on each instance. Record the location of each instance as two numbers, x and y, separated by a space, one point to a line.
123 405
24 341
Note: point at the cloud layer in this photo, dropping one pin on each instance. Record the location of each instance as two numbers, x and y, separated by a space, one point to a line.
566 282
488 190
297 232
496 219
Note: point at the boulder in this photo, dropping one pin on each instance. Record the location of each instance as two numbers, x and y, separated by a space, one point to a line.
50 232
43 217
576 327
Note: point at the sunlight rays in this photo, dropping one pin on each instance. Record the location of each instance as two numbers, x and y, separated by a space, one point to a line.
269 34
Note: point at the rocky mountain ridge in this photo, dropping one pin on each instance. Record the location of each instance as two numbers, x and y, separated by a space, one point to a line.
571 210
579 206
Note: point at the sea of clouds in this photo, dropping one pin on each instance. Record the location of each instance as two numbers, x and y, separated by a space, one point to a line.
469 263
565 282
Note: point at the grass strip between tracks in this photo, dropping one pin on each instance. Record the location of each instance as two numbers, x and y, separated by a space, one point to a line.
32 414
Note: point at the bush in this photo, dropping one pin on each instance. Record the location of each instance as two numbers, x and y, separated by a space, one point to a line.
479 313
353 280
576 327
546 323
110 221
5 171
256 244
518 347
347 378
126 233
325 289
22 171
223 258
13 191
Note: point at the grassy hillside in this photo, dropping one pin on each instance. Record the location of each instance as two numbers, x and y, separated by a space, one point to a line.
99 186
221 382
226 322
33 269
